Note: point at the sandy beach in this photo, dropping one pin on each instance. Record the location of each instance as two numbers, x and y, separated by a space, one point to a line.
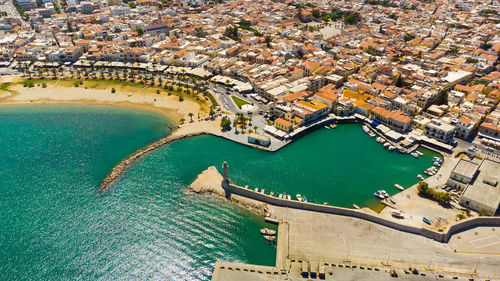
143 98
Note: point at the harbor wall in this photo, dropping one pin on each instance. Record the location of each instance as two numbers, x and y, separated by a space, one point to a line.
429 233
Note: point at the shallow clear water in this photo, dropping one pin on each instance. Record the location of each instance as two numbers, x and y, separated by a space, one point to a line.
55 226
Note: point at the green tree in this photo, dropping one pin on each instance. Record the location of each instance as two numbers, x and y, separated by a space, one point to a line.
225 123
190 114
140 31
132 5
113 90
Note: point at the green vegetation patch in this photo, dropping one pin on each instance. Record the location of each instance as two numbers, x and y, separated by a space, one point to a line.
442 198
239 102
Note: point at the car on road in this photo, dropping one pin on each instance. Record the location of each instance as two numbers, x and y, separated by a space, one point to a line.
489 149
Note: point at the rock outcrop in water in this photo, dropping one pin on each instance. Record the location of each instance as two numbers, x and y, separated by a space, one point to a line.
209 181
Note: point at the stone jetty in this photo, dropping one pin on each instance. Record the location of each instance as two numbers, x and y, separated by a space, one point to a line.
119 169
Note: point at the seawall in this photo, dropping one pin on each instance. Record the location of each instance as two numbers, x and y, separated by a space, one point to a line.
426 232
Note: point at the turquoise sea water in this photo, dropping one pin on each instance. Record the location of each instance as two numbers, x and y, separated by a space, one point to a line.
55 226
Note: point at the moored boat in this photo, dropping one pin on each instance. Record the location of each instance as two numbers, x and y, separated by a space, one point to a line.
398 186
299 197
355 206
378 194
420 177
392 200
333 126
289 197
270 238
267 231
387 144
419 153
326 127
391 147
414 154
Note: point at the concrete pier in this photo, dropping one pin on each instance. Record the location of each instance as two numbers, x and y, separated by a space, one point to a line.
344 244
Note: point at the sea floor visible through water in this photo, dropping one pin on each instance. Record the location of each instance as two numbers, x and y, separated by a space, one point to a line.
56 226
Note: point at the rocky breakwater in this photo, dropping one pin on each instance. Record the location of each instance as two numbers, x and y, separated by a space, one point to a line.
119 169
209 181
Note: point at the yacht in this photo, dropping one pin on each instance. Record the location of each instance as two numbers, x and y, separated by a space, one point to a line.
398 186
420 177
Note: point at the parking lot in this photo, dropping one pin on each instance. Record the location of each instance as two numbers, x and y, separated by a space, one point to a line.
480 240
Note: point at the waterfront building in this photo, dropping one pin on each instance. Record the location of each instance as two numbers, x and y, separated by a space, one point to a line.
259 139
283 125
440 130
482 193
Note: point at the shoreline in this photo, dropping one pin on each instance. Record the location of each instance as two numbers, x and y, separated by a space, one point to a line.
143 99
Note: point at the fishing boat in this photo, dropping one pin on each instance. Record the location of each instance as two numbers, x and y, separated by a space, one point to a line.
398 186
392 200
355 206
267 231
270 238
420 177
384 193
426 220
378 194
299 197
397 214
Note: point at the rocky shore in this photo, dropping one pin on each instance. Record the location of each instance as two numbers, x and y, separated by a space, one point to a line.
209 181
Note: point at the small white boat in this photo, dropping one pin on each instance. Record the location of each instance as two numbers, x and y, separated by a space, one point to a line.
355 206
398 186
437 164
326 127
272 193
280 196
289 197
397 214
333 126
414 155
391 147
270 238
379 139
256 189
392 200
386 145
384 193
378 195
299 197
262 191
267 231
419 153
420 177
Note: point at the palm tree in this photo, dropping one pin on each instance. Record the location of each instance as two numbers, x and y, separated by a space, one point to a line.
191 116
182 121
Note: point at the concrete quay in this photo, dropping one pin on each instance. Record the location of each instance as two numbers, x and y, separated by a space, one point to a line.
345 245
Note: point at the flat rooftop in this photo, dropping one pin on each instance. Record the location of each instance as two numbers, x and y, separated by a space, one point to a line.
466 168
485 188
